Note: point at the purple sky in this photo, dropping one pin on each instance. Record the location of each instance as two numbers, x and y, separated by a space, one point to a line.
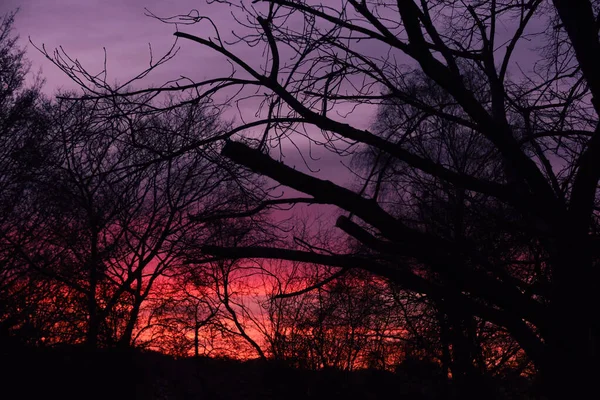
84 28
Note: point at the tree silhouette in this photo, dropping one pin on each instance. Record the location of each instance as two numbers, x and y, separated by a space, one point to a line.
23 124
527 130
110 215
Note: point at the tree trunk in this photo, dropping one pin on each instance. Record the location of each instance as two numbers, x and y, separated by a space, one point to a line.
571 368
466 375
196 340
127 337
93 328
93 314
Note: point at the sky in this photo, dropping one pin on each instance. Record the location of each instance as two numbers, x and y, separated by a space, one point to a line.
85 28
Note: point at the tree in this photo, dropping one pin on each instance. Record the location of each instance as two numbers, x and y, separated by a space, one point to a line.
23 123
440 209
181 320
347 323
455 70
113 215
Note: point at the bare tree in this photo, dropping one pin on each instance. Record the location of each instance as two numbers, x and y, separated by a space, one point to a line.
455 69
352 323
113 214
180 318
23 123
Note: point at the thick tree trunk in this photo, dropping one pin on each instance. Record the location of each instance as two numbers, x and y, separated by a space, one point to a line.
127 336
93 313
446 343
571 371
197 340
466 372
571 367
93 326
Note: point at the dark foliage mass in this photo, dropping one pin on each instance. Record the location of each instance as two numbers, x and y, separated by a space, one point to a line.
462 259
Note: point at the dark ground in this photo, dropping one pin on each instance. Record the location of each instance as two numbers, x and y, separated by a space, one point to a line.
76 373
